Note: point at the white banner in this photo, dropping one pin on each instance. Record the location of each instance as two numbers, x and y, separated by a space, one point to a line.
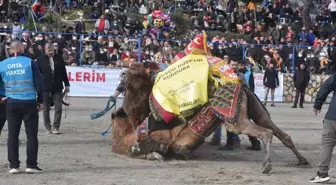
102 82
93 82
260 88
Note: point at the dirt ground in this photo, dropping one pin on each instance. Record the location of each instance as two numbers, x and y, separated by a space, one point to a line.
80 155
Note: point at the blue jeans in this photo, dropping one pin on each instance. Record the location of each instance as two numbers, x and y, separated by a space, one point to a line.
230 135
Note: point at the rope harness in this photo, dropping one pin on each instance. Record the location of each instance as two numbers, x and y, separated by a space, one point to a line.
66 105
110 104
107 108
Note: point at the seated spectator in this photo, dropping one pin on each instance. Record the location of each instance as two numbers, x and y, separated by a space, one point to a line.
101 56
88 55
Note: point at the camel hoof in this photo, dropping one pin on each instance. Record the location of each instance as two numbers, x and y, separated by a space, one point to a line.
267 167
155 156
303 162
163 149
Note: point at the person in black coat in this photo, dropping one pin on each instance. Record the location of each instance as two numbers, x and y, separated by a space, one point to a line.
54 74
301 79
271 81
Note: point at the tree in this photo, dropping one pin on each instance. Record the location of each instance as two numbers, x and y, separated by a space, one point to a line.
306 14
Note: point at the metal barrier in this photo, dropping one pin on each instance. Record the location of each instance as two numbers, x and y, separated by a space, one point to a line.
291 55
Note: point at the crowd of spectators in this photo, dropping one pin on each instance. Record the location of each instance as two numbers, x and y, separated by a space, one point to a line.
273 32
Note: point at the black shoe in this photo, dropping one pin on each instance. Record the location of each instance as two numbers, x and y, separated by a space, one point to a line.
254 147
272 105
301 106
294 106
215 141
320 177
226 147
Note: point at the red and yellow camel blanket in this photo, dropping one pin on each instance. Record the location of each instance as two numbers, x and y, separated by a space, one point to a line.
183 85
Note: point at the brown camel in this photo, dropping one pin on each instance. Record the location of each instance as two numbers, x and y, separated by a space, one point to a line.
181 139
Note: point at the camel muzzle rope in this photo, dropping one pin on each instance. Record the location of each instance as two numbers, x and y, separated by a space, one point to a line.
110 104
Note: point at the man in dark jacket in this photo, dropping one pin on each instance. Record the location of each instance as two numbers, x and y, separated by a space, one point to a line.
301 79
329 128
271 81
249 79
54 73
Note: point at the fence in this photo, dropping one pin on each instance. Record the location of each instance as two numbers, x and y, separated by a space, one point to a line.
76 47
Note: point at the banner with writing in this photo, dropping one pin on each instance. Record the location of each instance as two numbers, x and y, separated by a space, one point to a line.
260 88
93 82
183 85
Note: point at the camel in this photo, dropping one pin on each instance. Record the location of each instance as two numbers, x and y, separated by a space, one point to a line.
180 139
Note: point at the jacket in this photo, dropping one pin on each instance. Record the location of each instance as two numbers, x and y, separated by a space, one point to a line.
327 87
21 80
297 76
249 78
53 81
271 79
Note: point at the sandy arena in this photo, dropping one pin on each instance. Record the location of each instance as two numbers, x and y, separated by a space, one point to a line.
80 155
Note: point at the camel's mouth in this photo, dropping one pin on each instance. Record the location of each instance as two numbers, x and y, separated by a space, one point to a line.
120 113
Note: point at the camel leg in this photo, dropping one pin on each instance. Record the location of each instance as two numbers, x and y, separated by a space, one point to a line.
264 134
147 146
151 156
261 117
287 141
184 153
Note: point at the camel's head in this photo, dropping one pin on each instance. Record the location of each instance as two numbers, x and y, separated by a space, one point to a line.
138 86
139 75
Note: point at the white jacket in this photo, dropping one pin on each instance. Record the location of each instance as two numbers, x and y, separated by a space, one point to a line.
332 6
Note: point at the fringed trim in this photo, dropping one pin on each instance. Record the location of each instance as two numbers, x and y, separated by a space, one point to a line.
237 111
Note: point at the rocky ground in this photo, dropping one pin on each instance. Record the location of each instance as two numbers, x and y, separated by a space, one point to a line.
82 156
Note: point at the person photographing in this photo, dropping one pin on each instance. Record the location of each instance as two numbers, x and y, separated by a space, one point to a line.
22 82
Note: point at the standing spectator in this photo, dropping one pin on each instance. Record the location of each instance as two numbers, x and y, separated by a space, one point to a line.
232 140
21 104
249 79
329 128
80 26
271 81
301 79
38 9
102 25
332 9
54 75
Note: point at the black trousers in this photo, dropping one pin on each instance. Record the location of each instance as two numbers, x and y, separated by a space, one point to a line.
299 92
3 116
27 112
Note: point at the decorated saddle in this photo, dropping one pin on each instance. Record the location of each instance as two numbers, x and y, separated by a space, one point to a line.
196 83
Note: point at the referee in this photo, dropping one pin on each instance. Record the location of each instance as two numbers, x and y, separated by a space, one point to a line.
22 81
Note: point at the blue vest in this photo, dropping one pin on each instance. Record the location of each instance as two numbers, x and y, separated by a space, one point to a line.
17 75
247 75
